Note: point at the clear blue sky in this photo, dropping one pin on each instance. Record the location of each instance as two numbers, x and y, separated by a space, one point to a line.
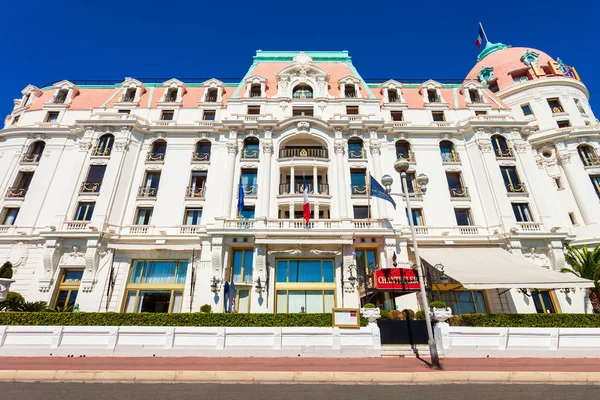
47 41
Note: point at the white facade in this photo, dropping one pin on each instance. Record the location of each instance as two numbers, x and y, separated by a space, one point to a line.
53 232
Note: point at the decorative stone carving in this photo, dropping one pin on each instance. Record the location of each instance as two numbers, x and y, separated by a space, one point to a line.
199 167
402 135
371 314
339 147
203 135
232 147
50 259
122 145
18 254
440 314
267 147
217 254
303 126
507 163
564 158
153 167
520 147
98 161
84 146
484 146
375 148
73 257
261 259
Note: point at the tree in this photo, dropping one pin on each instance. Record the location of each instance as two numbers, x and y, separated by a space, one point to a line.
586 264
6 271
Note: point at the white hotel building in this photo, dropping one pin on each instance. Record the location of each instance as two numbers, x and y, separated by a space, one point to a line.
123 197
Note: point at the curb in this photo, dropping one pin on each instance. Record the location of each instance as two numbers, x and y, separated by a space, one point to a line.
298 376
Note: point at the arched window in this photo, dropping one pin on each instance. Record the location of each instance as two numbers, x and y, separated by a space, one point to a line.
158 150
35 151
202 151
500 146
355 148
251 148
588 155
105 144
403 150
302 91
448 151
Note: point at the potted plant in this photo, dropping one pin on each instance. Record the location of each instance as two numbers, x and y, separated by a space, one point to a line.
370 312
439 311
6 274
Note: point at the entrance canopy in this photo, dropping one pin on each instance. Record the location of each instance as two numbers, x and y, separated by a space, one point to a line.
495 268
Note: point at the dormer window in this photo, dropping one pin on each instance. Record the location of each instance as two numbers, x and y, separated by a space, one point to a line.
256 86
349 92
129 96
393 96
302 91
432 96
211 95
61 96
255 90
171 95
475 96
25 101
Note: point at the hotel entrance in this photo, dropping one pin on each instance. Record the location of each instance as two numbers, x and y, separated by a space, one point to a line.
305 286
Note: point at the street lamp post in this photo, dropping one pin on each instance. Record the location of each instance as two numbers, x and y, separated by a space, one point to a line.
401 166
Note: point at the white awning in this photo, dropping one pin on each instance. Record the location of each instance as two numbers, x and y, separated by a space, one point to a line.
480 268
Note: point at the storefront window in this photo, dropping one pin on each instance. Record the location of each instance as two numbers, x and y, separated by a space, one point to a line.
308 301
463 301
305 286
156 286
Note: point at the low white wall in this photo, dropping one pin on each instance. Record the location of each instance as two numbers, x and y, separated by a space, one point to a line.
189 341
460 341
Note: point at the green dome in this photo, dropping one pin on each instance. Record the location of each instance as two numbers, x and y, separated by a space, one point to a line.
489 49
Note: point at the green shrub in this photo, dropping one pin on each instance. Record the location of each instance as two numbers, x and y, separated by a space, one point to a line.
32 306
369 305
437 304
67 308
164 319
384 314
206 308
527 320
395 315
420 315
408 314
6 271
12 301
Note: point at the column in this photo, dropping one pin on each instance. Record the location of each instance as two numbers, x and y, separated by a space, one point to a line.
339 159
582 188
232 148
291 209
292 180
375 153
315 181
316 209
219 93
265 193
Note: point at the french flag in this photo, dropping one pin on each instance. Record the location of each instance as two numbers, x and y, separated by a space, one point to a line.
481 37
306 205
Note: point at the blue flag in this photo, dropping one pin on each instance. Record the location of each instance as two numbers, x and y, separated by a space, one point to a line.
240 205
376 190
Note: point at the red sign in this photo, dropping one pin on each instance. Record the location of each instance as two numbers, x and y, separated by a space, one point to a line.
396 279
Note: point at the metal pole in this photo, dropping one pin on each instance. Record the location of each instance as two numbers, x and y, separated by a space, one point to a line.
435 359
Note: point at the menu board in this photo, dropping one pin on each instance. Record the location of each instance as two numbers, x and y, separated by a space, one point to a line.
346 317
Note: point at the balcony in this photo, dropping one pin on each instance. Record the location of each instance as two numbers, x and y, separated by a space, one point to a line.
250 154
144 191
101 151
250 190
156 157
506 153
16 192
590 160
356 154
201 157
516 188
323 188
59 100
128 99
407 155
459 192
358 190
299 224
31 158
434 99
195 192
530 226
304 153
90 187
450 157
257 93
171 98
76 225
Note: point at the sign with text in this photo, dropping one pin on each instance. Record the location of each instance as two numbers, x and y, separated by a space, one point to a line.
346 317
401 279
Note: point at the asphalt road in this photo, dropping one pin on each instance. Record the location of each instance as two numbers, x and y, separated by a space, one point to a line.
200 391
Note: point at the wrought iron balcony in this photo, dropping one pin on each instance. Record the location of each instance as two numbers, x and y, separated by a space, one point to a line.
311 153
128 99
516 187
358 189
171 98
323 188
196 191
507 153
256 93
59 100
211 99
434 99
90 187
250 153
102 151
356 154
393 99
450 157
17 192
350 95
147 191
201 156
476 99
31 158
407 155
156 157
459 192
250 190
589 160
302 94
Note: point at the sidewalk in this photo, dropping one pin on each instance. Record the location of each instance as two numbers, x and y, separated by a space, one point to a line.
384 370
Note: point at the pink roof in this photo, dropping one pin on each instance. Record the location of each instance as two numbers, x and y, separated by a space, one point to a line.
414 98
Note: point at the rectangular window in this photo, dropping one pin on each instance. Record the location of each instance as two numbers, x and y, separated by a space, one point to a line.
247 212
358 181
361 212
253 110
475 96
521 77
511 180
193 216
438 116
171 95
150 186
242 265
563 124
366 261
305 301
579 106
463 217
9 215
522 213
15 120
477 113
526 108
349 91
352 110
302 111
84 211
555 106
305 271
124 111
60 97
167 115
144 216
542 299
197 186
432 96
572 218
596 183
417 216
96 174
129 96
52 116
455 185
463 301
209 115
250 181
397 116
558 183
68 288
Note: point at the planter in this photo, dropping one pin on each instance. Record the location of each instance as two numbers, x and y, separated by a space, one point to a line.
4 287
371 314
440 314
411 332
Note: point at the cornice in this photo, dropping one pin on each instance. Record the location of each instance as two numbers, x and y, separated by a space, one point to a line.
543 82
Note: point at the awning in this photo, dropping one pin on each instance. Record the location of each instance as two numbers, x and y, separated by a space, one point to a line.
494 268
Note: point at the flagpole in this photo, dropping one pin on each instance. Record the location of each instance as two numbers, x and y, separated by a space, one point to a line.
483 30
367 183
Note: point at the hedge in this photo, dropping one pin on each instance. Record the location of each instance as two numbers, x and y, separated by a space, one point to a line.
527 320
163 319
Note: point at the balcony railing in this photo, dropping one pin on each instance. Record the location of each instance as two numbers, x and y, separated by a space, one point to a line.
201 156
450 157
211 99
59 100
102 151
250 190
31 158
76 225
516 187
590 160
503 153
530 226
309 153
350 95
156 157
250 154
323 188
17 192
358 189
476 99
302 94
90 187
128 99
171 98
459 192
356 154
195 191
147 191
256 93
408 156
434 99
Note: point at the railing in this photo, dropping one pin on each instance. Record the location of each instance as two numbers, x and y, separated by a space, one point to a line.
251 190
76 225
358 189
200 156
284 188
421 230
408 156
102 151
31 158
476 99
195 191
350 95
147 191
516 187
468 230
356 154
441 123
310 153
300 224
206 123
434 99
211 99
530 226
114 115
170 99
367 224
256 94
16 192
189 229
90 187
557 109
250 154
155 157
59 100
503 153
459 192
165 122
450 157
240 223
139 229
5 228
400 124
127 99
589 160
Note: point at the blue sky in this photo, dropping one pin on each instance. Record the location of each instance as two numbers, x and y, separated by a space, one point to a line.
48 41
